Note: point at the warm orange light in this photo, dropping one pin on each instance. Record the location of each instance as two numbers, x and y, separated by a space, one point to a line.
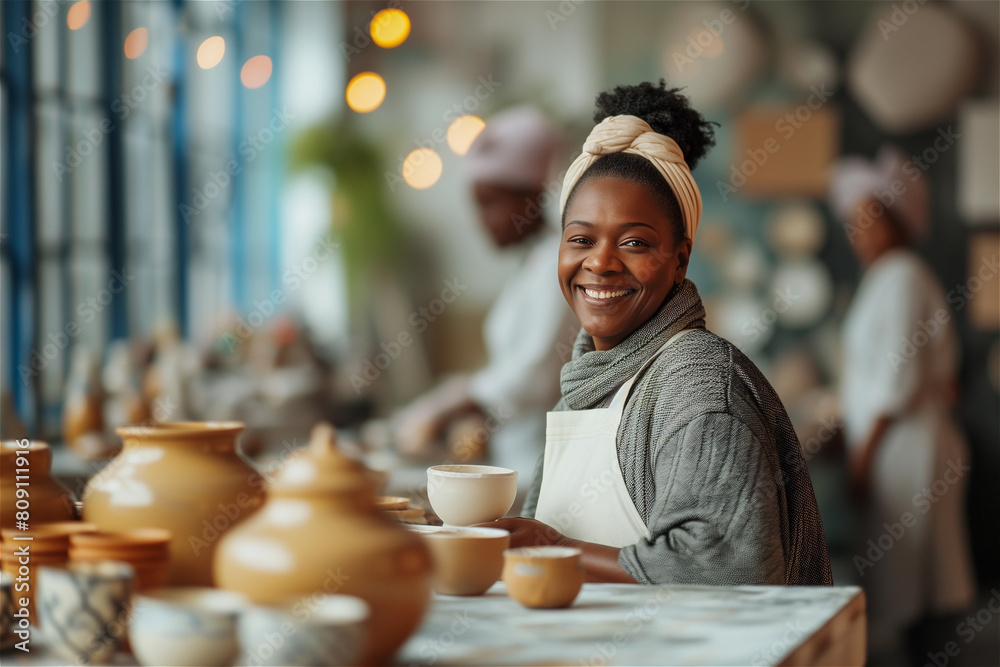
136 43
390 28
365 92
463 131
422 168
210 52
78 14
256 72
710 42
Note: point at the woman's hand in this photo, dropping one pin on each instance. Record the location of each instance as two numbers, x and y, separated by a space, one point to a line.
600 562
530 533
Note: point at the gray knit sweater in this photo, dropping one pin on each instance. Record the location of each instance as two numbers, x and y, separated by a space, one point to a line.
709 457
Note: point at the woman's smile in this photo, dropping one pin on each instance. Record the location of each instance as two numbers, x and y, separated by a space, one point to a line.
618 260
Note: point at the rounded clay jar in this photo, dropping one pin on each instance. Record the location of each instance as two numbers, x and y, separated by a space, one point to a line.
185 477
48 499
320 533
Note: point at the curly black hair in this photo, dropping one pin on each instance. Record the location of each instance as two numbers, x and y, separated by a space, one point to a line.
668 112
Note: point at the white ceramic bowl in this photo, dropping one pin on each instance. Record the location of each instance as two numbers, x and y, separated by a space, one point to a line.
463 495
310 630
186 626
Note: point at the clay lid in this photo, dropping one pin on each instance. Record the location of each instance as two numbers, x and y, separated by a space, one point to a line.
321 468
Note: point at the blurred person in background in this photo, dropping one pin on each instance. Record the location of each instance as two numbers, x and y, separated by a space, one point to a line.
508 169
908 460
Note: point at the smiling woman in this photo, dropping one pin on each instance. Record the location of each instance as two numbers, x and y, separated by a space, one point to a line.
669 458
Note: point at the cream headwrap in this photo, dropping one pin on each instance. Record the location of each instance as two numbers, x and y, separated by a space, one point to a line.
631 134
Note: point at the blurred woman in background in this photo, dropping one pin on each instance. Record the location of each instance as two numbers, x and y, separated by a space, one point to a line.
507 167
909 463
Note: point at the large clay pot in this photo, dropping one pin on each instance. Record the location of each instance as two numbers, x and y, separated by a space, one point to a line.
320 533
186 477
49 500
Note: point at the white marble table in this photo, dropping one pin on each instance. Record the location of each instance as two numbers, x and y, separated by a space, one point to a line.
622 624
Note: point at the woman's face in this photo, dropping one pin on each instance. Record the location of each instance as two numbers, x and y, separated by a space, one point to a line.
618 260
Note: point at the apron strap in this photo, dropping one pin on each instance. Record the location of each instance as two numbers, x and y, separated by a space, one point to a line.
621 396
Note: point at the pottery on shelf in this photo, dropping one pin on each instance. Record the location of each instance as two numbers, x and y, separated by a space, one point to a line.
467 561
84 609
321 630
463 495
146 550
186 626
543 577
83 408
184 477
320 532
49 500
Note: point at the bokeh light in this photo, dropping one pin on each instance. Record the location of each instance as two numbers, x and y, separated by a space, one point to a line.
422 168
256 72
136 43
78 14
365 92
211 51
390 28
462 132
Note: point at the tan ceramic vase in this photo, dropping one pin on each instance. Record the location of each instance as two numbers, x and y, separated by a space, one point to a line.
185 477
320 533
48 500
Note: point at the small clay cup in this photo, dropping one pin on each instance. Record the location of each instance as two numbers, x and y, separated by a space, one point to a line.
467 561
543 577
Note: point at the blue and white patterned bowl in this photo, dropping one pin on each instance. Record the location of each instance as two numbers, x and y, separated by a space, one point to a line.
310 630
186 626
84 609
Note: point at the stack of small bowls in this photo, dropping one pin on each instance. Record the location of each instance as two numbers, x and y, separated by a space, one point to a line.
147 550
48 544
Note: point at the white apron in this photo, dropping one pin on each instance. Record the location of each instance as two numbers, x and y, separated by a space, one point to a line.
583 493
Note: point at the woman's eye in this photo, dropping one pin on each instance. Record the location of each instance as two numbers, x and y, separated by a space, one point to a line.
579 239
636 243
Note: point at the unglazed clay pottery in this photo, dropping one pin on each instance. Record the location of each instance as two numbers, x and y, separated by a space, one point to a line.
84 609
543 577
320 532
463 495
146 550
83 407
49 500
320 630
7 636
184 477
467 561
186 626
